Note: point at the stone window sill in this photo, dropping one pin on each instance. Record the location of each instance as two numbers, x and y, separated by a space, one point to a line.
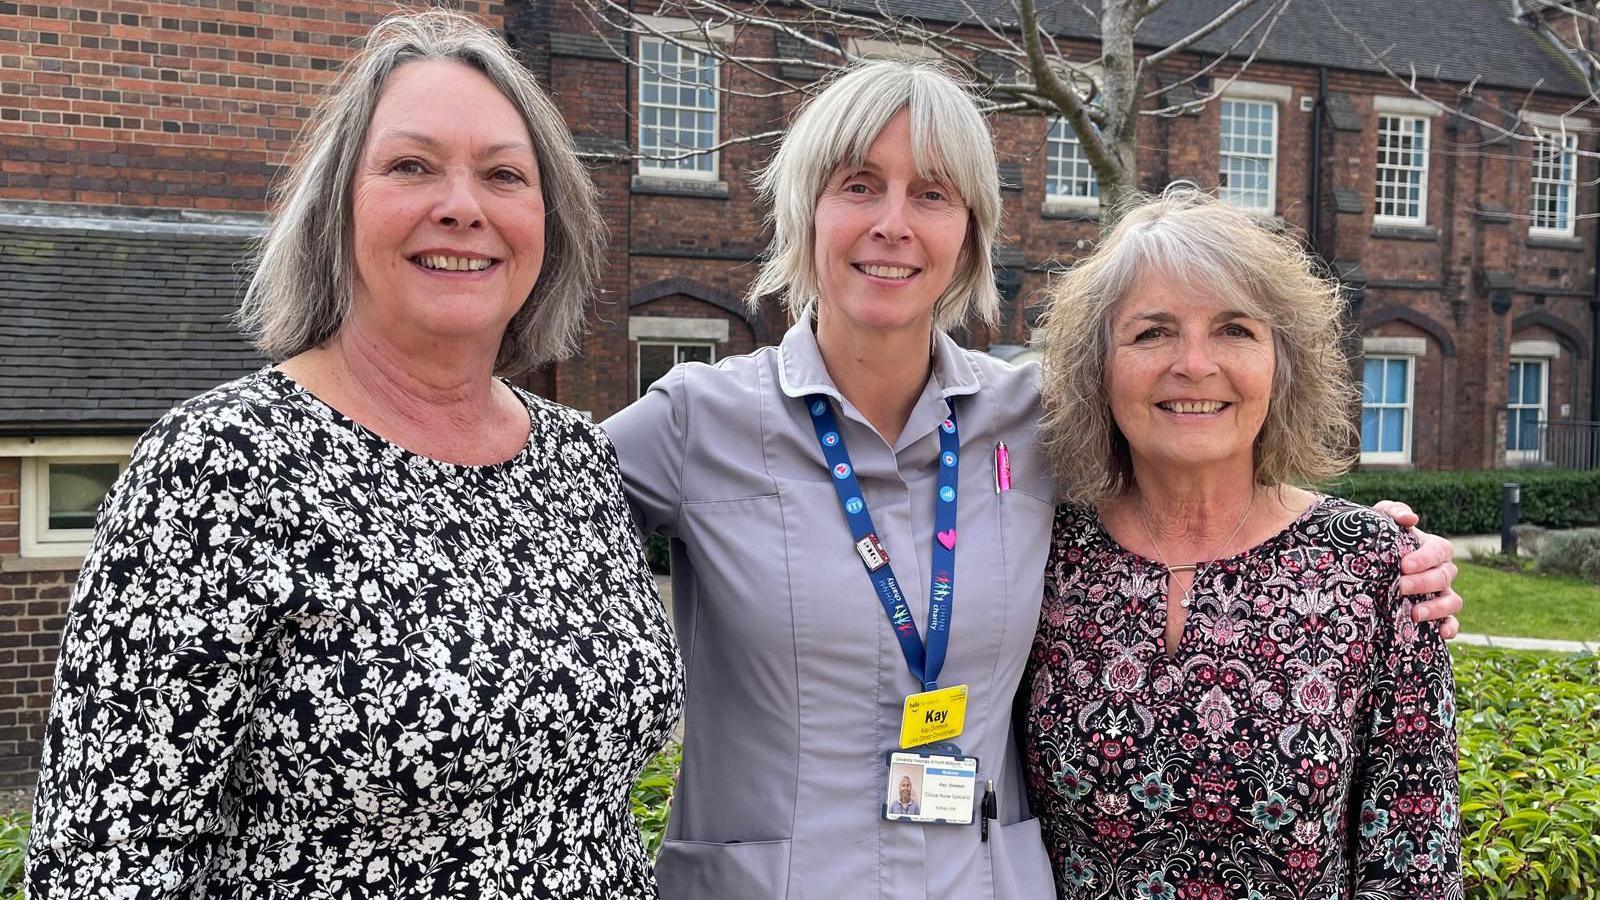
41 563
1387 466
1071 212
1406 232
679 187
1555 241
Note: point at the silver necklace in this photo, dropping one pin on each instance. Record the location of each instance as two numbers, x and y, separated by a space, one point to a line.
1188 594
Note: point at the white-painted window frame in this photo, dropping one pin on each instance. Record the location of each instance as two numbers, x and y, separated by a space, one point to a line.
1553 181
675 169
1247 101
1399 124
1066 162
1394 353
37 538
677 346
1543 406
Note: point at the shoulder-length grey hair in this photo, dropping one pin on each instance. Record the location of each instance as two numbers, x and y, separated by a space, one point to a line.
300 292
1309 431
950 142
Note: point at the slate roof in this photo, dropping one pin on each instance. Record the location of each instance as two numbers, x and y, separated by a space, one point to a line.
104 331
1452 40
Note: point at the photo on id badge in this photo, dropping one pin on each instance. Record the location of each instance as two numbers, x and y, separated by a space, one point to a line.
930 788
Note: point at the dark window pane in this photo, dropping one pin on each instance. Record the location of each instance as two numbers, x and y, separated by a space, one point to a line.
76 490
694 353
655 360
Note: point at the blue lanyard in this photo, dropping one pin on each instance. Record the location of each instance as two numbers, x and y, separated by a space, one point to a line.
924 663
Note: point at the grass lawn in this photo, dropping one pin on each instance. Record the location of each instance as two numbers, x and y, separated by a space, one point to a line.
1528 605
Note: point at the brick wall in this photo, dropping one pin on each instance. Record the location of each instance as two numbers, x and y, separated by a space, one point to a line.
10 510
33 608
125 102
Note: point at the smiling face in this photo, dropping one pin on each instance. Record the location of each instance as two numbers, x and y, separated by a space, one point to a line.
1189 376
447 210
887 239
905 789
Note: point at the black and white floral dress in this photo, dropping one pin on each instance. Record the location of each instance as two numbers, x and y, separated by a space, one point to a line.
304 662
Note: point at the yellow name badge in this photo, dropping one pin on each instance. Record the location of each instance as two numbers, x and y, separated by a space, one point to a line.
933 716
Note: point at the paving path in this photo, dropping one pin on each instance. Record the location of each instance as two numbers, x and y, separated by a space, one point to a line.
1522 643
1467 544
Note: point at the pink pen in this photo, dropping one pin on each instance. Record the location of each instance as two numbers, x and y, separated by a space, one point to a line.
1002 468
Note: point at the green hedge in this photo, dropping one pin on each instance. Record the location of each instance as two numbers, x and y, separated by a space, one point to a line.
1469 502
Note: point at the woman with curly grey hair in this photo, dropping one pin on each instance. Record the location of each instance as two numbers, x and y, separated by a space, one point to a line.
372 622
1227 695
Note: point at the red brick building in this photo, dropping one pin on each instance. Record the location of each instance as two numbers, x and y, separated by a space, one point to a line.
1458 276
138 141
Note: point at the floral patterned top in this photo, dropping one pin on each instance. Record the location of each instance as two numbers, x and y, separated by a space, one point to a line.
1299 744
303 662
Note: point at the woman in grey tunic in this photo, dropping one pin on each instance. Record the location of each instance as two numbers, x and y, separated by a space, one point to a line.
886 202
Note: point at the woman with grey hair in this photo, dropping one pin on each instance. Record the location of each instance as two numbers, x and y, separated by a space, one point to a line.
372 621
813 489
1227 696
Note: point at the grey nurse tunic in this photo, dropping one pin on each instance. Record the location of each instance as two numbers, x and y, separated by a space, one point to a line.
795 681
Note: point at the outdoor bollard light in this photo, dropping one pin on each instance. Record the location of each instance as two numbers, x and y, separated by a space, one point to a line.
1510 510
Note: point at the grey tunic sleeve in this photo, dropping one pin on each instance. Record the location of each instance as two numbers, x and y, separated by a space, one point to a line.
651 437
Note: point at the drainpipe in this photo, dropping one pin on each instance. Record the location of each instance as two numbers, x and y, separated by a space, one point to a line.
1594 337
1314 223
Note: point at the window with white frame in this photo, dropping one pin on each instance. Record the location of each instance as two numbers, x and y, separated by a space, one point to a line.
59 500
1386 409
1248 154
1402 189
1526 407
1555 180
677 110
656 358
1069 175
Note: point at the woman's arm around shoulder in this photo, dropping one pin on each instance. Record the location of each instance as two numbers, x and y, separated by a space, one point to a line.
157 672
1406 830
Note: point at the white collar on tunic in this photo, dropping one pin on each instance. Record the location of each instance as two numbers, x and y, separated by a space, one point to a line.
801 371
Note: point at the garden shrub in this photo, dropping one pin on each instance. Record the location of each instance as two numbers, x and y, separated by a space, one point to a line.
1469 502
652 795
658 553
13 846
1530 775
1571 552
1531 538
1590 568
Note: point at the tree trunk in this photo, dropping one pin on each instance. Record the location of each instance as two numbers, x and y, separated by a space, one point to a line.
1119 179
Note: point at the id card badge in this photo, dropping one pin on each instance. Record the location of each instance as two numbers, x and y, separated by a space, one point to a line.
932 716
926 788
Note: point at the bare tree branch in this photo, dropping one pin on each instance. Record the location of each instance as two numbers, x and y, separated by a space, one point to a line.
687 154
1187 41
1219 90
